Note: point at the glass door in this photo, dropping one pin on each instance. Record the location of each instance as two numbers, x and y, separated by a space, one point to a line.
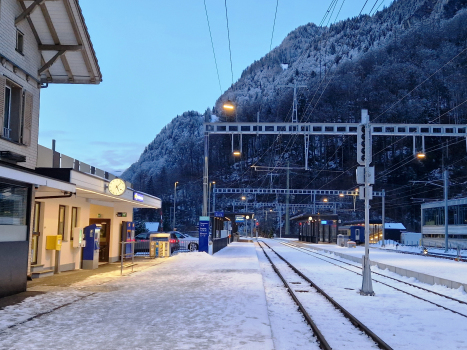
35 233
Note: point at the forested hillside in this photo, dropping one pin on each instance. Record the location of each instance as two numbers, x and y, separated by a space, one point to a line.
407 63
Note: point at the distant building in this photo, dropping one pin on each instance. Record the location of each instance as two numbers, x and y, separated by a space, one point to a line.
316 228
432 215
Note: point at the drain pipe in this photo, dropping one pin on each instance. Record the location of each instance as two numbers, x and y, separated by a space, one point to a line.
66 195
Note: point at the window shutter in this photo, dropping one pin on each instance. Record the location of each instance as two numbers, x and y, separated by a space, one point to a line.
27 127
2 102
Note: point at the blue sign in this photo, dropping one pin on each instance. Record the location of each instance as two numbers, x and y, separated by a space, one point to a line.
324 222
239 218
219 214
138 197
204 234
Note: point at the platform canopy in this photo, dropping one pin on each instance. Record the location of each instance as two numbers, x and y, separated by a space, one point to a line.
63 39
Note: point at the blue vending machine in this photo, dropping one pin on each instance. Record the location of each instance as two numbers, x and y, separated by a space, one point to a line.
128 234
91 250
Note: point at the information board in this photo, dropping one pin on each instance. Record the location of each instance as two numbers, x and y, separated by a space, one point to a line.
204 234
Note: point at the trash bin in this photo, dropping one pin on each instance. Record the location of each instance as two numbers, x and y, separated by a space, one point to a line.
351 244
159 245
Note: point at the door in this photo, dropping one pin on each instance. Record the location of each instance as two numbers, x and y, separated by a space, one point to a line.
357 234
35 233
104 243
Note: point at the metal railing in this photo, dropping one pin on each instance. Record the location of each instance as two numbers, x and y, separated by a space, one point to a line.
6 132
127 255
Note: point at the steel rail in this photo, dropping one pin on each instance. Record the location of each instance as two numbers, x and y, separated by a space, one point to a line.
323 344
380 274
346 313
400 290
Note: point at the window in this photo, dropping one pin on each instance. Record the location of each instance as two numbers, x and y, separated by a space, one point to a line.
13 212
74 220
61 221
15 112
19 41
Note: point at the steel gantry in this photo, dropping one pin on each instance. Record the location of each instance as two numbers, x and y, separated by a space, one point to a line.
291 191
339 129
365 128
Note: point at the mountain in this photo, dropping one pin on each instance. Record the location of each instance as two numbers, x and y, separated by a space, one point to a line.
407 63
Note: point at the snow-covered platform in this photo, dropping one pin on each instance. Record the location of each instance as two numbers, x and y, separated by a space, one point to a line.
190 301
429 270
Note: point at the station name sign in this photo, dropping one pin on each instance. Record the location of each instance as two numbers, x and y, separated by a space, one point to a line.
138 197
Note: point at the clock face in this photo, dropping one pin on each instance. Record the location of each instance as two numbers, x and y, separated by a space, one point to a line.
117 187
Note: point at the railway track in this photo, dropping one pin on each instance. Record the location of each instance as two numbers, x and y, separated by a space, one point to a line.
320 310
327 259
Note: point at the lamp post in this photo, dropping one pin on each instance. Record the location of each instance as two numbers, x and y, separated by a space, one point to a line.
175 199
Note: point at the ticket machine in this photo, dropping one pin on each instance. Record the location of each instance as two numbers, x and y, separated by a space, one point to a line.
128 234
91 250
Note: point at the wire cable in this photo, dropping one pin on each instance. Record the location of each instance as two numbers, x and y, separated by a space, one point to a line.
416 87
274 25
228 36
212 45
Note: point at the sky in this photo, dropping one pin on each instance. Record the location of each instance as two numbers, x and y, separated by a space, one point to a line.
157 62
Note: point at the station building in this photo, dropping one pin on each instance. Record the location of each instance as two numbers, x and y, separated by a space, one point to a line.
433 219
316 228
46 43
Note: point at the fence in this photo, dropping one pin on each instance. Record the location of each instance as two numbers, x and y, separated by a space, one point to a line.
219 243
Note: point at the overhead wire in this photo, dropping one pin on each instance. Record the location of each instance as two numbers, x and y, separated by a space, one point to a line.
228 36
274 25
212 45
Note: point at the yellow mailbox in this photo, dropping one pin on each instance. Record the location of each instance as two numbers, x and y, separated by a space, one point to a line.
53 242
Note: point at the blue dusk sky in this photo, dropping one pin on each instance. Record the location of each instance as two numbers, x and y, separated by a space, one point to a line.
157 62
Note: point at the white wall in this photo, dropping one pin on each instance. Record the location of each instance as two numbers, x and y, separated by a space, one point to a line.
30 62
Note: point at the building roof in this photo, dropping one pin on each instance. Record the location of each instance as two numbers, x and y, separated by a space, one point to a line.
63 39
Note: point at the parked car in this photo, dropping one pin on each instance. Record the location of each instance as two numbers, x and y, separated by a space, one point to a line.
186 241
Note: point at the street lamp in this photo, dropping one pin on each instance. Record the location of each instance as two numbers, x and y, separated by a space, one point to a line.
237 153
228 105
175 198
325 200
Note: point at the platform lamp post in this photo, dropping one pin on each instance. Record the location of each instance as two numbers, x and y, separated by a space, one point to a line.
175 199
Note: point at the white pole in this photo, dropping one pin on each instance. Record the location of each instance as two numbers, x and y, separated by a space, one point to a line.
367 287
446 221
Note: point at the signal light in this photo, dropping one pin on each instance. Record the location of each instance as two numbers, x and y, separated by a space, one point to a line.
361 135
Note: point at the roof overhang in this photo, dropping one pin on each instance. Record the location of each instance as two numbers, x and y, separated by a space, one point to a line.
42 182
63 39
95 190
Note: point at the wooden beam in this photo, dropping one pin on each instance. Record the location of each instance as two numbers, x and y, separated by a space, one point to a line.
34 31
50 25
51 61
28 11
60 47
79 40
47 73
66 65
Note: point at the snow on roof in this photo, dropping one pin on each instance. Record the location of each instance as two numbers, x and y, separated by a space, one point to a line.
394 226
